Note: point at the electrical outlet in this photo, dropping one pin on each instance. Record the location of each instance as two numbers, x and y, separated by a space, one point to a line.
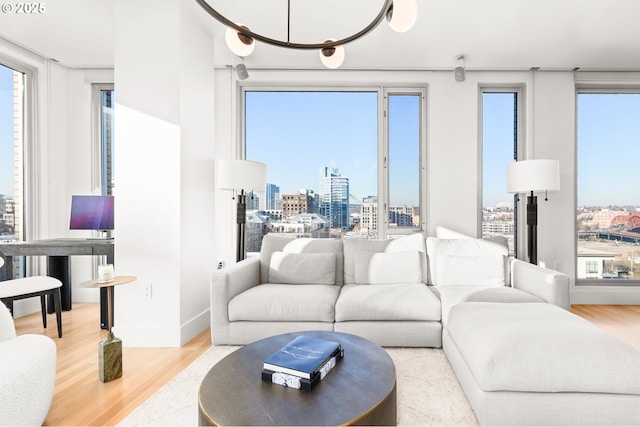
148 291
220 265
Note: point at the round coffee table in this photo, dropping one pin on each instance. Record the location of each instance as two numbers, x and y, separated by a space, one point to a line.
359 390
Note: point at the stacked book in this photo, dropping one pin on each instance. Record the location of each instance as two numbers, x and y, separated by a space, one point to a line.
302 363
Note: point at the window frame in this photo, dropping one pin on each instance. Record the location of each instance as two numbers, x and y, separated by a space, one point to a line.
384 204
98 177
381 146
30 159
596 88
519 153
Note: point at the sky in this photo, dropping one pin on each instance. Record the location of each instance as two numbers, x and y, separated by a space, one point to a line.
609 149
297 133
6 131
497 146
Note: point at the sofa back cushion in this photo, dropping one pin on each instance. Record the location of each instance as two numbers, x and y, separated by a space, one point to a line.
387 268
412 243
303 269
272 243
467 262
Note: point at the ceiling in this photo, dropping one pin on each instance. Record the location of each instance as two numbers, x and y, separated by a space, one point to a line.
491 34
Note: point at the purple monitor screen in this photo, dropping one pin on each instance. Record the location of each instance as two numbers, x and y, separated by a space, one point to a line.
91 213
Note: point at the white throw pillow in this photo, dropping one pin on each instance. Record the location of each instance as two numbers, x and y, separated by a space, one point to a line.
352 245
303 269
386 268
480 270
437 247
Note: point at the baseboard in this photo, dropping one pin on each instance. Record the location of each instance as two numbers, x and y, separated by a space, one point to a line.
605 295
193 327
165 336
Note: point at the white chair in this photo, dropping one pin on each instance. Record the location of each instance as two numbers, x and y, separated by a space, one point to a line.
34 286
27 374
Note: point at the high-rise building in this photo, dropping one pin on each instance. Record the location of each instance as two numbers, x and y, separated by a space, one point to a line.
294 204
305 201
334 197
271 199
252 201
369 215
401 216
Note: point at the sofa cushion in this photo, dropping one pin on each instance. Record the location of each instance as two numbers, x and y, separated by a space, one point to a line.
352 246
472 248
487 270
382 268
453 295
270 243
285 303
534 347
273 243
411 302
304 269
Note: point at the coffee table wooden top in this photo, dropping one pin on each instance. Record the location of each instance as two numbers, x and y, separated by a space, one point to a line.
360 389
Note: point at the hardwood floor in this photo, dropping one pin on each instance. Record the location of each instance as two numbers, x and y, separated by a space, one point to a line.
81 399
621 320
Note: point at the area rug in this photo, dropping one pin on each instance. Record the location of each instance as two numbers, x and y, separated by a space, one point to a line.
427 390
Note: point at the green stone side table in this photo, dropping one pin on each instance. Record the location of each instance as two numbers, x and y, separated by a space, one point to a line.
110 349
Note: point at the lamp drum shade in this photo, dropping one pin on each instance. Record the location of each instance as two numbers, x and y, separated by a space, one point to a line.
241 175
533 175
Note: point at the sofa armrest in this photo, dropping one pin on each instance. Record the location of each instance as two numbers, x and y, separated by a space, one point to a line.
552 286
226 284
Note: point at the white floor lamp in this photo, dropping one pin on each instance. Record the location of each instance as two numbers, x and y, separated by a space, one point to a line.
529 176
241 176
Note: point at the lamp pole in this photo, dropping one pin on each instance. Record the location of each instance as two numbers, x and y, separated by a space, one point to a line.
532 228
241 219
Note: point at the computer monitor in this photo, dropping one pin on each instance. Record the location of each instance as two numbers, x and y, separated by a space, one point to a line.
92 213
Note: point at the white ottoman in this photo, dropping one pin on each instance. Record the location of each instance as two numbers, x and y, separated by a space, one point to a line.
537 364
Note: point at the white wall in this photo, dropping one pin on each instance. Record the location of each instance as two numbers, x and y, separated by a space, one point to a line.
164 172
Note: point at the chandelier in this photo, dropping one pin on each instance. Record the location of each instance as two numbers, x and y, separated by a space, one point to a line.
401 15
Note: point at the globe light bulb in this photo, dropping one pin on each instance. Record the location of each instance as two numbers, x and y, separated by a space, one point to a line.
239 43
332 57
402 15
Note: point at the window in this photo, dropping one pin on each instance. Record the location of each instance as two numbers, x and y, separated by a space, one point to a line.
12 226
404 160
104 101
334 160
592 267
608 203
499 148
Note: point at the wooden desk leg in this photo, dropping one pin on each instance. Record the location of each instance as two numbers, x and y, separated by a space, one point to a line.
59 267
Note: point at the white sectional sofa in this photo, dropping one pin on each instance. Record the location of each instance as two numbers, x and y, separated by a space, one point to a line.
521 357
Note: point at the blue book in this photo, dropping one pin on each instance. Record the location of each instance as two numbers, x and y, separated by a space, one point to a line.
302 357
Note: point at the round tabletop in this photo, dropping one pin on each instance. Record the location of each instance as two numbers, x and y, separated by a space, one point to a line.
360 389
117 280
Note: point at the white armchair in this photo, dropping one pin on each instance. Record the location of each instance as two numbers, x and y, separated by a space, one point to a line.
27 374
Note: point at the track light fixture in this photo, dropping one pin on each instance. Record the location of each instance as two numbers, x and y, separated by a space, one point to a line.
401 14
458 72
